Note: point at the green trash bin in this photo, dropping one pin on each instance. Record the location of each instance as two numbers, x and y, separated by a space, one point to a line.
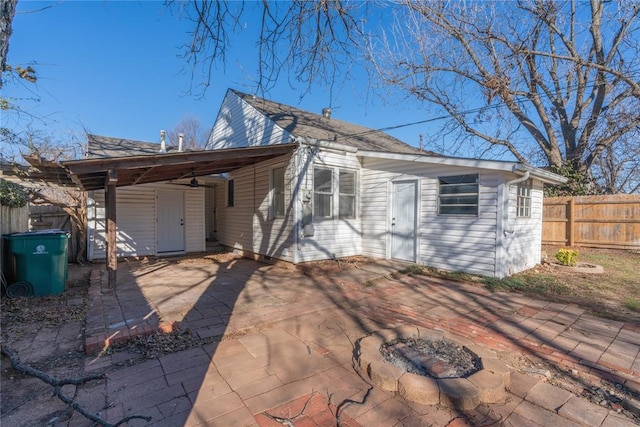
40 262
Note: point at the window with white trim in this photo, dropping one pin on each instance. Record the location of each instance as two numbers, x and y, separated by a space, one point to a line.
323 193
523 204
347 192
334 193
230 193
277 193
458 195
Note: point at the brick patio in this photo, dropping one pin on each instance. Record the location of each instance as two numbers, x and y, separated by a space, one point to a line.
282 339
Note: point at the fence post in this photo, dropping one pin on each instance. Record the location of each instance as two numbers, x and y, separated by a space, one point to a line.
571 222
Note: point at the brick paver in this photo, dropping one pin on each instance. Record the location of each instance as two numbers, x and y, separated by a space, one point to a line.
280 338
583 412
547 396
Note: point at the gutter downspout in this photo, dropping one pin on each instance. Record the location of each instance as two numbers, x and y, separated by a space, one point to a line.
518 180
294 203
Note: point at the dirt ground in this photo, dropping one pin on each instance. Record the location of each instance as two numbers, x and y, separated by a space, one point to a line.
48 333
329 266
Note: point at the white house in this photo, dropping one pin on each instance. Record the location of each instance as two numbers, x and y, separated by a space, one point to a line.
301 187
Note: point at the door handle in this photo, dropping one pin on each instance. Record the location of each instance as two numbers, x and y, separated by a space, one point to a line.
181 221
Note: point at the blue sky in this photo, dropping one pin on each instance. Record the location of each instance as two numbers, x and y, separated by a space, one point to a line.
114 68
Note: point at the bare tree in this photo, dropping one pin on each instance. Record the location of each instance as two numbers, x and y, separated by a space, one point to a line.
562 76
195 134
44 152
7 12
312 40
552 83
617 169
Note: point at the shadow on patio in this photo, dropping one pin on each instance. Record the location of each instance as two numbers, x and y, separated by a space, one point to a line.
275 340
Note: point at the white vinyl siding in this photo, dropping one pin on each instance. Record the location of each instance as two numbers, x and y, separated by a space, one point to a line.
333 237
136 221
246 226
523 235
194 224
238 124
352 218
135 218
463 243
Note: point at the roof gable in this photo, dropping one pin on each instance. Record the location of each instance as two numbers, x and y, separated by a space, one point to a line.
304 124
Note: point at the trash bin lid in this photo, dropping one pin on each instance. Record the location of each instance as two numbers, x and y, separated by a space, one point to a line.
50 232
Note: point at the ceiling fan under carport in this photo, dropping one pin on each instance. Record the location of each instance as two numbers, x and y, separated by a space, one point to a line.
194 183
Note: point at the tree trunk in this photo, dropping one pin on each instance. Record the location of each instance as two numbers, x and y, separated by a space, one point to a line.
7 12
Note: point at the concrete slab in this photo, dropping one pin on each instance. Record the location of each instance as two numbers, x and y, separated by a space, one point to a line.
547 396
583 412
535 415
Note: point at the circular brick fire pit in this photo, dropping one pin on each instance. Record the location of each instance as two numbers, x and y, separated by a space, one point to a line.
438 382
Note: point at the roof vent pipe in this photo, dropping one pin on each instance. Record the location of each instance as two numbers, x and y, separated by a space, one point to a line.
180 139
163 146
326 113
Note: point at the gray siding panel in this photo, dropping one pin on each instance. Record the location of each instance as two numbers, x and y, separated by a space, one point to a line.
135 216
246 226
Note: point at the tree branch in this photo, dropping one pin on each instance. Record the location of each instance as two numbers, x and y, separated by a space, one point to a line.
58 384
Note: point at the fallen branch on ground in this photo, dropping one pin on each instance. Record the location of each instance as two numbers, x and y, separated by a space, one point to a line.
58 384
289 421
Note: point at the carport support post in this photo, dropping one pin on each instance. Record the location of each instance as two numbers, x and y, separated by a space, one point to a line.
110 207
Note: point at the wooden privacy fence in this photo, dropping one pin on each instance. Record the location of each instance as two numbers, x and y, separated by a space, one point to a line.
611 221
12 220
45 217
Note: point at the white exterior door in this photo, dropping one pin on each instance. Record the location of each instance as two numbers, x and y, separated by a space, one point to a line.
170 230
403 220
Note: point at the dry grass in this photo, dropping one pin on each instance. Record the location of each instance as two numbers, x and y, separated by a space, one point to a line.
615 294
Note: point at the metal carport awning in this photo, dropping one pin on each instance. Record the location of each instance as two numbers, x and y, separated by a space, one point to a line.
109 173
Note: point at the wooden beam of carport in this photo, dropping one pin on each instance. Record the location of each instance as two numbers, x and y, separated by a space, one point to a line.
142 169
111 216
186 159
110 173
212 168
142 175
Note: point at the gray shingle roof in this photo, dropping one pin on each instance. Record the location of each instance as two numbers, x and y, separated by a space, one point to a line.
314 126
106 147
